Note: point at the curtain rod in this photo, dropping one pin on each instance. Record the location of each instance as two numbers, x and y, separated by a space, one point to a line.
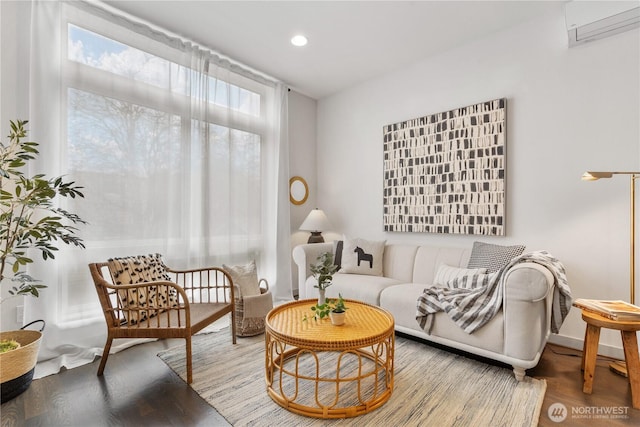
163 35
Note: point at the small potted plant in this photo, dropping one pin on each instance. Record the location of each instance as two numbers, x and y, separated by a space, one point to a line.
335 309
323 270
338 311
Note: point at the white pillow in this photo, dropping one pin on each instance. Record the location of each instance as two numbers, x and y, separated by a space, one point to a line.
245 277
446 273
360 256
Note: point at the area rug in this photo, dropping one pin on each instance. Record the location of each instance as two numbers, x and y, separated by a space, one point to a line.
432 387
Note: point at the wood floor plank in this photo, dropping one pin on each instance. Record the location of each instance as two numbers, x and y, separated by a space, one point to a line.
560 366
139 389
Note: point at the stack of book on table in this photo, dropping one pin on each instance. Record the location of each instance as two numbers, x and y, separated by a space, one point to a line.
615 310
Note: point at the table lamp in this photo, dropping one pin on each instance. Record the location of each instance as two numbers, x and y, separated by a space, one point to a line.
316 222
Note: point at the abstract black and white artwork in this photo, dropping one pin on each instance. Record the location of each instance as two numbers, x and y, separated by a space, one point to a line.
445 172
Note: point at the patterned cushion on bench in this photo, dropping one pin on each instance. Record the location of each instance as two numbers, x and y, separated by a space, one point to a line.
141 269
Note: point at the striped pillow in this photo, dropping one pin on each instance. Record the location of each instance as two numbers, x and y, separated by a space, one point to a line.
446 273
469 281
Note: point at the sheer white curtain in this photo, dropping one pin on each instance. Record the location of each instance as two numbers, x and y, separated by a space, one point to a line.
181 152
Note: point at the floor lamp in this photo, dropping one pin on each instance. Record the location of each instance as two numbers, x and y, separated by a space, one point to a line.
621 367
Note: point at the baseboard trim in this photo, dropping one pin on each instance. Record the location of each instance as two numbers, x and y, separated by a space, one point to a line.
603 349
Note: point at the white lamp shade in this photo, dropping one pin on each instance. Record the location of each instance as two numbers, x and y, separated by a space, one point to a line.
315 221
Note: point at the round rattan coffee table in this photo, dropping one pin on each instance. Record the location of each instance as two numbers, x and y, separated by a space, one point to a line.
319 370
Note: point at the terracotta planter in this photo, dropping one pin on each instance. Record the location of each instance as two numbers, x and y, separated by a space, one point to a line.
337 318
17 366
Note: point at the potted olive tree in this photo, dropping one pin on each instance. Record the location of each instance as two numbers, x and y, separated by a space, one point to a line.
323 270
29 221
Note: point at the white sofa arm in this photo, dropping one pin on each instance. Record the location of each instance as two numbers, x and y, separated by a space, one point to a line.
527 299
304 256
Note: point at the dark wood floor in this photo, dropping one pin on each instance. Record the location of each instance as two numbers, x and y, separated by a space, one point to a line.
560 367
139 389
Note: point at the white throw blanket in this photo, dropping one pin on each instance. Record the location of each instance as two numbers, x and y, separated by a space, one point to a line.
474 300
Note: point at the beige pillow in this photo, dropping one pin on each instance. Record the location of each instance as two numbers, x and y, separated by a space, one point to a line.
446 273
360 256
245 277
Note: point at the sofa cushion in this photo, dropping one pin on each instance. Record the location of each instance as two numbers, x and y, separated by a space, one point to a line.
399 262
447 273
429 258
401 299
362 256
492 257
360 287
337 252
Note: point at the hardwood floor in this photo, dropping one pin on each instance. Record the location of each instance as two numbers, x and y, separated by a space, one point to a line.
611 394
139 389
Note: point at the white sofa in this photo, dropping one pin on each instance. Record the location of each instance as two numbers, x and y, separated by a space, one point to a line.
515 336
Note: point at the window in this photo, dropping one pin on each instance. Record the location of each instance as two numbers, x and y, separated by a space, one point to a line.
102 53
170 153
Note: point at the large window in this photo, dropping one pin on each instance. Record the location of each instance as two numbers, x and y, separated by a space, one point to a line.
168 146
180 150
134 150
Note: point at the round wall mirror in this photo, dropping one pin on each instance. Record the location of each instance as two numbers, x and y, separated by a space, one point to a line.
298 190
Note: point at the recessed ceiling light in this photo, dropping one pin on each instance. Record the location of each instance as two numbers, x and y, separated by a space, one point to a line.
299 40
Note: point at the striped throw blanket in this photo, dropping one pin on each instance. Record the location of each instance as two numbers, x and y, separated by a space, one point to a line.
473 300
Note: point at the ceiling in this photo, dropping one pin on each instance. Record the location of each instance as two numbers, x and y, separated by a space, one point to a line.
349 41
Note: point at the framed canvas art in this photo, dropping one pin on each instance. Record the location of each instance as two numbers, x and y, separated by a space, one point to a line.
445 172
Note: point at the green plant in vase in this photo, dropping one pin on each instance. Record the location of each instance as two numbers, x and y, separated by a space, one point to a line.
323 271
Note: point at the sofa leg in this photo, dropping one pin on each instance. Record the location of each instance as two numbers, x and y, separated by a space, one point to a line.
519 373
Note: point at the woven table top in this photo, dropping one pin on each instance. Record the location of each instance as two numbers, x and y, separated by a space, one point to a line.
364 325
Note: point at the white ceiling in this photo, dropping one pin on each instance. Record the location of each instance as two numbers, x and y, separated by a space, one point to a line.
349 41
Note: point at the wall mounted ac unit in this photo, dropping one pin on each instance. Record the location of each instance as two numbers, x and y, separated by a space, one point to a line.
592 20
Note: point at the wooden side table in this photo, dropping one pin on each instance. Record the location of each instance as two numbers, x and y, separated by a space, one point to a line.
628 331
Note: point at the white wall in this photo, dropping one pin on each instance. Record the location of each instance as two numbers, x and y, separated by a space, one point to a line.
569 110
302 162
302 153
